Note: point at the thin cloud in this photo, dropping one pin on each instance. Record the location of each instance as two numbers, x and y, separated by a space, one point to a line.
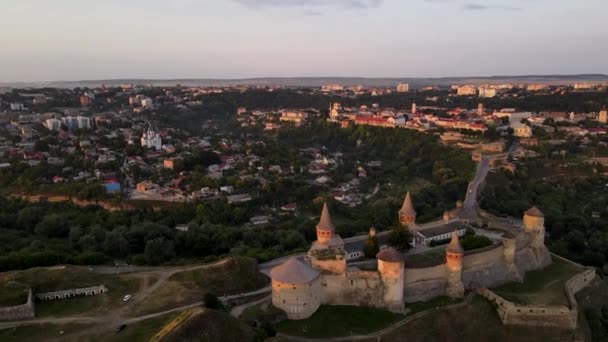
478 6
348 4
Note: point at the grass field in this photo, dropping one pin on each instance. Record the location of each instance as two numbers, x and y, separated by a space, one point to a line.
542 287
338 321
260 310
436 302
476 322
43 332
102 303
13 293
235 276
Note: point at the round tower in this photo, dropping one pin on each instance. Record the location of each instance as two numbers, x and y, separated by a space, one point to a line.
454 255
407 213
414 108
325 228
534 224
296 289
391 267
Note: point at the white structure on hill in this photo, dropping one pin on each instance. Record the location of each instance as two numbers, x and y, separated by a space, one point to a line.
150 139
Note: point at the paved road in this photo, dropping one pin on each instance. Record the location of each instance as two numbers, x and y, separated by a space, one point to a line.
470 202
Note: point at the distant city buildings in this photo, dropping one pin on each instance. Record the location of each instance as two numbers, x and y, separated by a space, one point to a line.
403 87
76 122
603 116
53 124
487 92
332 87
521 130
295 116
467 90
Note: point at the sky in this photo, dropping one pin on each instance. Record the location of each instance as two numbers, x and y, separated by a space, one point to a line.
42 40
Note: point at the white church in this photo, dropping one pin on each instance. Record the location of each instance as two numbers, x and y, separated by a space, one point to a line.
150 139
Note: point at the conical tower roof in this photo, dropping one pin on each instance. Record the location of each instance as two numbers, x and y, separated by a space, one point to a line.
534 211
325 220
408 207
454 246
390 255
293 271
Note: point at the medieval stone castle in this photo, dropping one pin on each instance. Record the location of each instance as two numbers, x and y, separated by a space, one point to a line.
323 277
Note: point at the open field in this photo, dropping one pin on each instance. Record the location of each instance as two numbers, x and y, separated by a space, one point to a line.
476 322
63 278
337 321
42 332
542 287
235 275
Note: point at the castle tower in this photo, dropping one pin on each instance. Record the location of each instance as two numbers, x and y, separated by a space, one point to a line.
391 267
509 248
454 255
534 223
325 228
296 288
407 213
327 253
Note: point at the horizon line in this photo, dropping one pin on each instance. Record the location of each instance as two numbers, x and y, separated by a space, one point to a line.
308 77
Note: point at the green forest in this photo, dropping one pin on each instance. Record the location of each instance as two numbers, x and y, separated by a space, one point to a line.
575 209
34 234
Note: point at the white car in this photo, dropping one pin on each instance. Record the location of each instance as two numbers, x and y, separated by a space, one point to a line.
126 298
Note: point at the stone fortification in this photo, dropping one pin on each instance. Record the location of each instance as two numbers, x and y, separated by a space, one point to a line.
85 291
18 312
395 282
559 316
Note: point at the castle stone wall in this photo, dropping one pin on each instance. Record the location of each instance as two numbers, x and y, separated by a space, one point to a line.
361 288
531 258
493 255
18 312
421 284
299 301
560 316
337 266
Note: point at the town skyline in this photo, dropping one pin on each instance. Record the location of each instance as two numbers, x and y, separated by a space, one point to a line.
304 38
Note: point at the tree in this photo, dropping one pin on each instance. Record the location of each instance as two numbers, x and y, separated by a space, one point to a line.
159 250
371 247
400 238
115 245
211 301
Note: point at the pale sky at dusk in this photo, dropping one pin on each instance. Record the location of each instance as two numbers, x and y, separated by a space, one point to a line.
43 40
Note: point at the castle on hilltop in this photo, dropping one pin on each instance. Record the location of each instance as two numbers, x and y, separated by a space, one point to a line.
323 277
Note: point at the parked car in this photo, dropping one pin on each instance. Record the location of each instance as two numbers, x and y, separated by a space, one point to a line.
126 298
120 328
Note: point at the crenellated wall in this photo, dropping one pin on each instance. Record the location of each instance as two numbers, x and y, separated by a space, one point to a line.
18 312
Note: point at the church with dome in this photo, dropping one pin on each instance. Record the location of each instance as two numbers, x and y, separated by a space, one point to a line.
329 274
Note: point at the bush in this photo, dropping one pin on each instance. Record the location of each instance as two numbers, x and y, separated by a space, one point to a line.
440 242
471 242
212 301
